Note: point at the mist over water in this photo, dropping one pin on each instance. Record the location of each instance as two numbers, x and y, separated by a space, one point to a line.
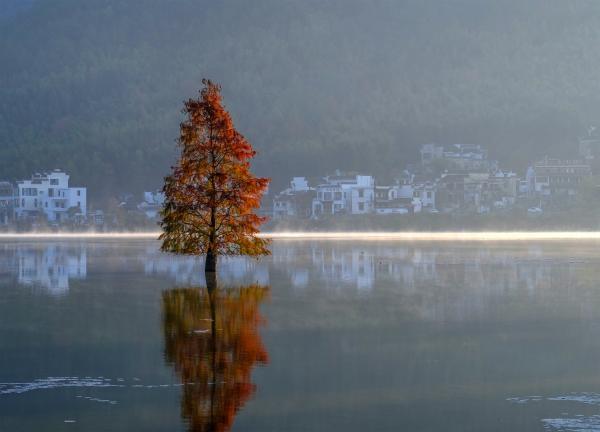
427 173
386 334
484 236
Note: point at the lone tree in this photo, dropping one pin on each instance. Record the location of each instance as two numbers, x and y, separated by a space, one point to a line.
211 195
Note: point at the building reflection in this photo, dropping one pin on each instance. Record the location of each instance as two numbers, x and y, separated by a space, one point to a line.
440 280
50 267
338 267
213 344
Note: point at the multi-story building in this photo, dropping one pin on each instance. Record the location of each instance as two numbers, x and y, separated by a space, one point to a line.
456 157
7 203
426 194
295 201
556 177
49 194
468 157
330 199
388 201
477 192
349 194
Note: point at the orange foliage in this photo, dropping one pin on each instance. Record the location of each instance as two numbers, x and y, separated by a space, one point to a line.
212 341
211 195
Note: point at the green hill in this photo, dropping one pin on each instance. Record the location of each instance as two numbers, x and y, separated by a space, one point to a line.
10 8
96 86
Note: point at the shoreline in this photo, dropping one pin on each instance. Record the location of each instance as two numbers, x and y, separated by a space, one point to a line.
409 236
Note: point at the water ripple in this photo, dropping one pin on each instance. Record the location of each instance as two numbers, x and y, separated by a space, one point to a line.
576 423
55 382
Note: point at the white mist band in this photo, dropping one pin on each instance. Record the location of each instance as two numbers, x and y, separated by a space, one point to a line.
379 236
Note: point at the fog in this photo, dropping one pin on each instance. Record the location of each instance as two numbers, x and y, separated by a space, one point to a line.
95 88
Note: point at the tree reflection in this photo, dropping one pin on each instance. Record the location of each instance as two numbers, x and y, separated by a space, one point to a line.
212 341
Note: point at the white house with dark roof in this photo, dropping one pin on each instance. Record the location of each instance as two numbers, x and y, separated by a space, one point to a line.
294 201
348 194
50 194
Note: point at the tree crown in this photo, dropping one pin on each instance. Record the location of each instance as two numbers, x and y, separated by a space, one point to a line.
211 195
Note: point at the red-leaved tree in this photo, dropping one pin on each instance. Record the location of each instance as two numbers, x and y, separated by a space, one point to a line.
211 196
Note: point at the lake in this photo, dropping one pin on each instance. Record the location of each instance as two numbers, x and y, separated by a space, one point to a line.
324 335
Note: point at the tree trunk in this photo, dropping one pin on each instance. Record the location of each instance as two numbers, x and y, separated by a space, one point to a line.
211 262
211 286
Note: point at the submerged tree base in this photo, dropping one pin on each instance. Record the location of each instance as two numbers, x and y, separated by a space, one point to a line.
211 280
210 266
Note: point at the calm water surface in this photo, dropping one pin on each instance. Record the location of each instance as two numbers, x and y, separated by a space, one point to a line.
322 336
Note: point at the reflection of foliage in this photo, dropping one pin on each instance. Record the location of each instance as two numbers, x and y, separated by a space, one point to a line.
211 339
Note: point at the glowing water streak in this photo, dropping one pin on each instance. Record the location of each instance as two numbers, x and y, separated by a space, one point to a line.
76 236
334 235
441 236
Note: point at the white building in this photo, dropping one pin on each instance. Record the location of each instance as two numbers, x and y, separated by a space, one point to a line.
295 201
50 194
425 193
7 202
349 194
152 204
463 157
552 177
329 200
396 199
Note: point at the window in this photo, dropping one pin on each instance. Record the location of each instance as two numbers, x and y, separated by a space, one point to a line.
361 206
54 181
29 192
78 193
46 204
79 204
35 202
361 193
23 202
50 192
338 196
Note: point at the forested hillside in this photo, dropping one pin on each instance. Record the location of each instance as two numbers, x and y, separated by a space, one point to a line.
10 8
96 86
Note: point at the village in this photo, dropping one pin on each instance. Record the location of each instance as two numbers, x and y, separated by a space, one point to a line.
456 179
48 201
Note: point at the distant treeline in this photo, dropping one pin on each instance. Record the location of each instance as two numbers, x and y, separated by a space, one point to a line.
95 87
10 8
